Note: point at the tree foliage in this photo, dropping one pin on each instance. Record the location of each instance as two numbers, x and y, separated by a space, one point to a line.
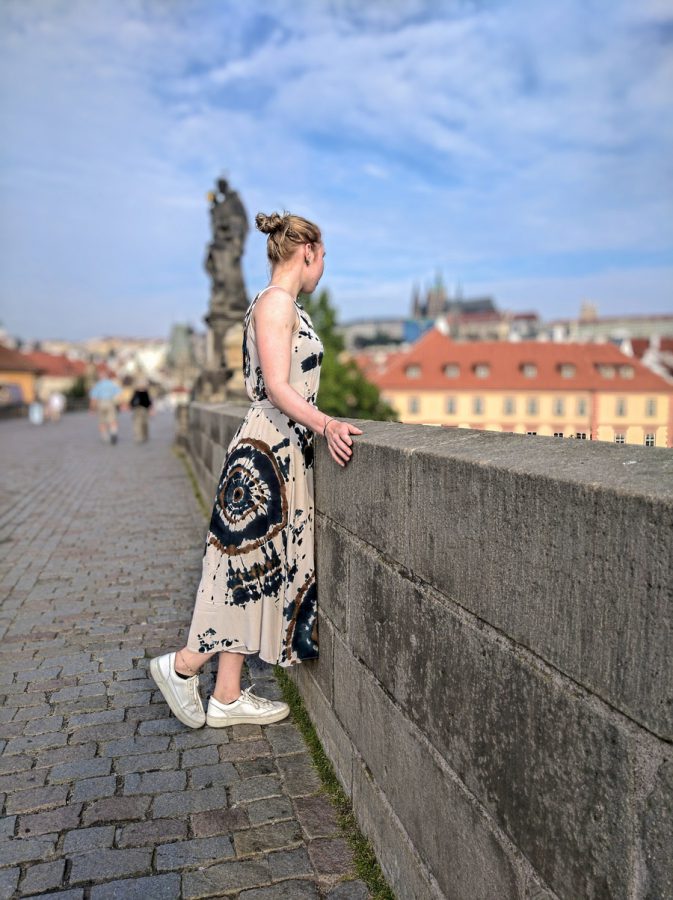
344 391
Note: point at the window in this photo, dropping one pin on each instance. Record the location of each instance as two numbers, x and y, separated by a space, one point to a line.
651 406
529 370
451 405
581 406
620 406
531 406
559 406
413 405
626 371
567 370
606 370
413 371
649 439
531 432
581 435
508 406
452 370
477 405
558 434
481 370
619 438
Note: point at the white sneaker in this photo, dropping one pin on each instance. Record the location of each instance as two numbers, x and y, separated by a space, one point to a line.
249 708
181 694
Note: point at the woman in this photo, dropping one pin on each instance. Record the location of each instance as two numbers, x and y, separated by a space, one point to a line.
257 591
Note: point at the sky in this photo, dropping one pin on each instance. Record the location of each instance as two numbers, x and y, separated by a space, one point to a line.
521 149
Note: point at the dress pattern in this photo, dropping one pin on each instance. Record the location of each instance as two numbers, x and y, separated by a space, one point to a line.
257 592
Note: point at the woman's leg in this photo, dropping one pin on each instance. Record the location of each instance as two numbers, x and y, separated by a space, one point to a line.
229 666
228 683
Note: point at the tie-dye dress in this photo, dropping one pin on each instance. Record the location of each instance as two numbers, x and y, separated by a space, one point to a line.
257 592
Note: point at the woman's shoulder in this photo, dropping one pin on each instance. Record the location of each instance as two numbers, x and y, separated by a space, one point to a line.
275 307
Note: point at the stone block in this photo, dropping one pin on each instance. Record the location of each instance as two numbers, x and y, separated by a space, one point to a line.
267 837
552 768
103 864
185 802
656 833
464 855
190 854
255 788
568 560
43 877
156 887
283 890
145 834
225 878
331 563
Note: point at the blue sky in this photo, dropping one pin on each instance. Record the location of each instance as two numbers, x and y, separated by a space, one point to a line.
523 149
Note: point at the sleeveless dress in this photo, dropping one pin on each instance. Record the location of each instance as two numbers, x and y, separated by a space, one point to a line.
257 592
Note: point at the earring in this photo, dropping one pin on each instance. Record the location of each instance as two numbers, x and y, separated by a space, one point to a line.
307 261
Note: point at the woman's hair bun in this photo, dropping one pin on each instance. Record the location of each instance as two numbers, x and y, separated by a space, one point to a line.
269 224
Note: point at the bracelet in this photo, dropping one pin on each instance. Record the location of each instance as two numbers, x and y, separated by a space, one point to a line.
324 429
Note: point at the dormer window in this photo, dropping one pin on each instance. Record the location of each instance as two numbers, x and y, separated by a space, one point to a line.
452 370
482 370
567 370
529 370
626 371
413 371
606 370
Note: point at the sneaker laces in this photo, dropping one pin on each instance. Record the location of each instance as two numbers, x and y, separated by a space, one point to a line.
257 702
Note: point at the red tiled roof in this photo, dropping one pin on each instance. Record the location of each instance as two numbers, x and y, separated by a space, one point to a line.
434 350
14 361
640 345
59 365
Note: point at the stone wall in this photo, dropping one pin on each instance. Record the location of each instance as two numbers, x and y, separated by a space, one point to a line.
495 682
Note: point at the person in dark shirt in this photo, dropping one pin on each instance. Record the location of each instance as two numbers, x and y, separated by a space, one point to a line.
141 403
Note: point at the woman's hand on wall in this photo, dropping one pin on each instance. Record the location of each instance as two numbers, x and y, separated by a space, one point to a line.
339 441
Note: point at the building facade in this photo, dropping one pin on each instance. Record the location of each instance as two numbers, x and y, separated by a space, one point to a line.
582 391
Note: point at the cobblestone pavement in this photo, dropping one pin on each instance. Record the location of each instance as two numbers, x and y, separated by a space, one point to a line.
104 793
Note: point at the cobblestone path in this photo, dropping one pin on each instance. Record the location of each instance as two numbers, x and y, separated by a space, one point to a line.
104 793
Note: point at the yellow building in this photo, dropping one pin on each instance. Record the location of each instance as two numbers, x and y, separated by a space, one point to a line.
586 391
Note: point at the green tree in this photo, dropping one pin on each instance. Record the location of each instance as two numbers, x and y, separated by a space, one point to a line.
344 391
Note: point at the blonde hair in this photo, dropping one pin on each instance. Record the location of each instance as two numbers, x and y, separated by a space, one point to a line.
286 233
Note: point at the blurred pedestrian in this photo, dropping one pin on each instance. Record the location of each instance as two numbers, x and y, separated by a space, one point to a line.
36 412
103 398
56 403
141 404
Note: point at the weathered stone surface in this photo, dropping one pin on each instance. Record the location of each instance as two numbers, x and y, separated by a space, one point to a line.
285 863
113 809
84 839
103 864
230 876
393 749
156 887
300 776
656 833
219 821
255 788
552 769
267 837
284 890
331 856
152 887
53 820
189 854
185 802
43 877
349 890
317 816
145 834
268 810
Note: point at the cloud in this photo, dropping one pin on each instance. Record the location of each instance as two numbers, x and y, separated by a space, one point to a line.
484 139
